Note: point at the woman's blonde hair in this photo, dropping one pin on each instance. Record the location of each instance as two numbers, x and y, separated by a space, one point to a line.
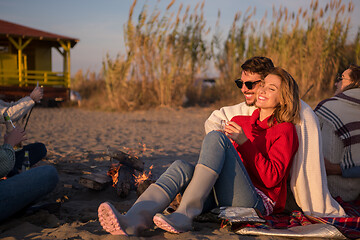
288 109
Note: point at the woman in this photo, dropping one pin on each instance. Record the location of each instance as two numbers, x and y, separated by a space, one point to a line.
339 122
247 166
16 111
24 189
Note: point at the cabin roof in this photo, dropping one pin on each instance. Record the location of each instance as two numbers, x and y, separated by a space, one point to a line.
16 30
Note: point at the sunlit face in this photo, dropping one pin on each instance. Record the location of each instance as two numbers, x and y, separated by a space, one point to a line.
346 81
268 96
250 94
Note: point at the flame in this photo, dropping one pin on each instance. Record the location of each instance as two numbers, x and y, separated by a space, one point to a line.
115 167
114 172
142 176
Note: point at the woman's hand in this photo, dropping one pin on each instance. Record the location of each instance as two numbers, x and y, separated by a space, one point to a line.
15 137
332 168
37 94
235 133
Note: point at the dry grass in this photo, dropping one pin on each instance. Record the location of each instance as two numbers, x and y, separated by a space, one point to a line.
312 54
166 51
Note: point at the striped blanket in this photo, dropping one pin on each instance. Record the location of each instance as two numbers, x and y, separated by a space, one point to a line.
343 112
349 226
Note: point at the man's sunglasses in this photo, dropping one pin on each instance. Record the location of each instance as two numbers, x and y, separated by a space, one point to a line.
339 78
249 85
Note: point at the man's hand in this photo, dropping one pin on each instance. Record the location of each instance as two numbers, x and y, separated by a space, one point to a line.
37 94
235 132
15 137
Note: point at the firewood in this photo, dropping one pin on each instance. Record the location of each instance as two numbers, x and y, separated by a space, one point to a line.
96 181
126 181
126 159
176 202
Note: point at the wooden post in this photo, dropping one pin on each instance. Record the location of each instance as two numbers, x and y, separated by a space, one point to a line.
25 69
63 55
66 55
69 65
20 63
19 46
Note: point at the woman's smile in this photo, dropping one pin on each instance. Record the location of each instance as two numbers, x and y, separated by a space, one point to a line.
261 98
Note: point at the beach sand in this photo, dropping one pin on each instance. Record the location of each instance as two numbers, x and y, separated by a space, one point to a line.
76 140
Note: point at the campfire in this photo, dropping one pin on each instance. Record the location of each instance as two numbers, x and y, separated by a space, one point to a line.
143 176
141 182
128 173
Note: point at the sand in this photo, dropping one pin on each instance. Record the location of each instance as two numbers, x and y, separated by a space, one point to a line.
76 140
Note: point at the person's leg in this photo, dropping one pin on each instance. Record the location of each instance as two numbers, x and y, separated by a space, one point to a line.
176 178
23 189
234 187
37 151
155 199
192 202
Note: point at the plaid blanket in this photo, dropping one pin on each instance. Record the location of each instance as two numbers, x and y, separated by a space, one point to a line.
349 227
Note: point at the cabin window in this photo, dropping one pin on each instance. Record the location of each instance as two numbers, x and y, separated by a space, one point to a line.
4 49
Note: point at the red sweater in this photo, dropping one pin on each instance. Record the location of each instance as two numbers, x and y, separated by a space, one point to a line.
267 155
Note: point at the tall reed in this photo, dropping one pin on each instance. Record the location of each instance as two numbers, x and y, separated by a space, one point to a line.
166 51
164 54
312 54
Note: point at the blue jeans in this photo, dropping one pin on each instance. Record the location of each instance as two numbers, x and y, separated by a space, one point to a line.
25 188
233 186
37 151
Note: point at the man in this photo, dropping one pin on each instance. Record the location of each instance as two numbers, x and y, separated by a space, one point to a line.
254 70
308 186
340 127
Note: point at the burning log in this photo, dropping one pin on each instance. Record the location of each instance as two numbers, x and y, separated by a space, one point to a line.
127 159
143 181
123 172
125 181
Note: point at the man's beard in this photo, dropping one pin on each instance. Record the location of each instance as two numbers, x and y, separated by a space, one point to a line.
253 102
250 104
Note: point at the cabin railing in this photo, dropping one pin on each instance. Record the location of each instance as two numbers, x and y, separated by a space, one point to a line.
32 77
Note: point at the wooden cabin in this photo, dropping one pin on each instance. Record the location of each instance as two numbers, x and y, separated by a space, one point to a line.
25 61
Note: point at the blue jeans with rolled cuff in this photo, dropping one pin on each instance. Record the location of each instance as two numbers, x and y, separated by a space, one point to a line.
24 189
233 186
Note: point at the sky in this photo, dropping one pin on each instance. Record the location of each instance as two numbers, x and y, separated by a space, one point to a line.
98 24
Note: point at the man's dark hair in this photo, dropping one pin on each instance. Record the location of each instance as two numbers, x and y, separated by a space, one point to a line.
354 77
355 73
259 65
